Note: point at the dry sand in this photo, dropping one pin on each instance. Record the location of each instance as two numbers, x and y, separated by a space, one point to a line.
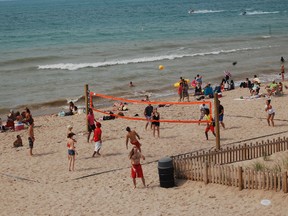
42 184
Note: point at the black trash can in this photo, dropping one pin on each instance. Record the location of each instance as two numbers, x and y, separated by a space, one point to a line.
166 172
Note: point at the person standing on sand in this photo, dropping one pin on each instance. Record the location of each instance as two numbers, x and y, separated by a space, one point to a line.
156 123
97 139
203 107
91 125
282 72
132 135
180 92
210 124
136 168
148 115
71 151
30 122
221 114
271 112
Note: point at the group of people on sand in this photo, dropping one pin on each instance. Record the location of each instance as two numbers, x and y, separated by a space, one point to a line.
15 118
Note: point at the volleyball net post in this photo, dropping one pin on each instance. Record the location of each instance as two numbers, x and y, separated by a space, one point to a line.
216 114
86 94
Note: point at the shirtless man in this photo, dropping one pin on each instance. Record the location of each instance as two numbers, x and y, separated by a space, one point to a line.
132 135
136 168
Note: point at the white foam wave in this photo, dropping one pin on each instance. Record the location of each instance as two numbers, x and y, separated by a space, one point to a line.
207 11
72 66
74 100
260 12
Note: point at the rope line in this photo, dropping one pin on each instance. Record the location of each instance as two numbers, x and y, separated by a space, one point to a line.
147 102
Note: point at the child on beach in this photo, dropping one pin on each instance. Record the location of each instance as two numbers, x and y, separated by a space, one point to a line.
270 111
69 129
18 142
136 168
71 151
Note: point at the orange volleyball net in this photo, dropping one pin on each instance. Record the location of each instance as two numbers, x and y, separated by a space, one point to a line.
189 112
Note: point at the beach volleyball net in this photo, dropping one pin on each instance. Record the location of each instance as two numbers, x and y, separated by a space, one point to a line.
170 111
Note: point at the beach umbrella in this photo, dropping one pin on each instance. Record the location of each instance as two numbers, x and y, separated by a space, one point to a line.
227 73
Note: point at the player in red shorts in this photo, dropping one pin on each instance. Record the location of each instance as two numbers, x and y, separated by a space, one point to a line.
132 135
136 168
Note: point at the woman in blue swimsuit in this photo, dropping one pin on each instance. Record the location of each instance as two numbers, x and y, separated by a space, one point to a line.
71 150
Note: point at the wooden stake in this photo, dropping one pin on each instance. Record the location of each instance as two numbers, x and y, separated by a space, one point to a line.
86 89
216 114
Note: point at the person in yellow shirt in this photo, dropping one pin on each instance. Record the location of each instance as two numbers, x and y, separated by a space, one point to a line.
210 123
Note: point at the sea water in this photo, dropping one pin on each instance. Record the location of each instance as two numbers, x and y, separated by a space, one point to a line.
49 49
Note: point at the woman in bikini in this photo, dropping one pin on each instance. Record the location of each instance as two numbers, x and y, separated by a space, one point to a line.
271 112
71 150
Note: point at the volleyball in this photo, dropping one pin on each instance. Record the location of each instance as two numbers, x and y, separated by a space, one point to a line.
161 67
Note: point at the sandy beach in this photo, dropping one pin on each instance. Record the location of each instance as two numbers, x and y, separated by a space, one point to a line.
42 184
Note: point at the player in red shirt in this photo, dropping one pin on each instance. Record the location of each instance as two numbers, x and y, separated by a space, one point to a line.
97 139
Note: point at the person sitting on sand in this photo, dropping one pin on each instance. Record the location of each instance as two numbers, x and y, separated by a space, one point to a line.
208 91
132 135
272 88
18 142
198 90
255 89
72 109
136 168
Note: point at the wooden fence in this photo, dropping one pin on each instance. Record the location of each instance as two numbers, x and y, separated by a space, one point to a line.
238 153
209 166
230 175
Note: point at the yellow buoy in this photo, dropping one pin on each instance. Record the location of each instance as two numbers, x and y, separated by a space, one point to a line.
161 67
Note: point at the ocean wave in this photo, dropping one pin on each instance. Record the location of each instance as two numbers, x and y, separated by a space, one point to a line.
29 60
259 12
73 66
204 11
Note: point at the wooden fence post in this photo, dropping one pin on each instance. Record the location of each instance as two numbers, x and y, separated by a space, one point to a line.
86 89
240 177
284 182
206 180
